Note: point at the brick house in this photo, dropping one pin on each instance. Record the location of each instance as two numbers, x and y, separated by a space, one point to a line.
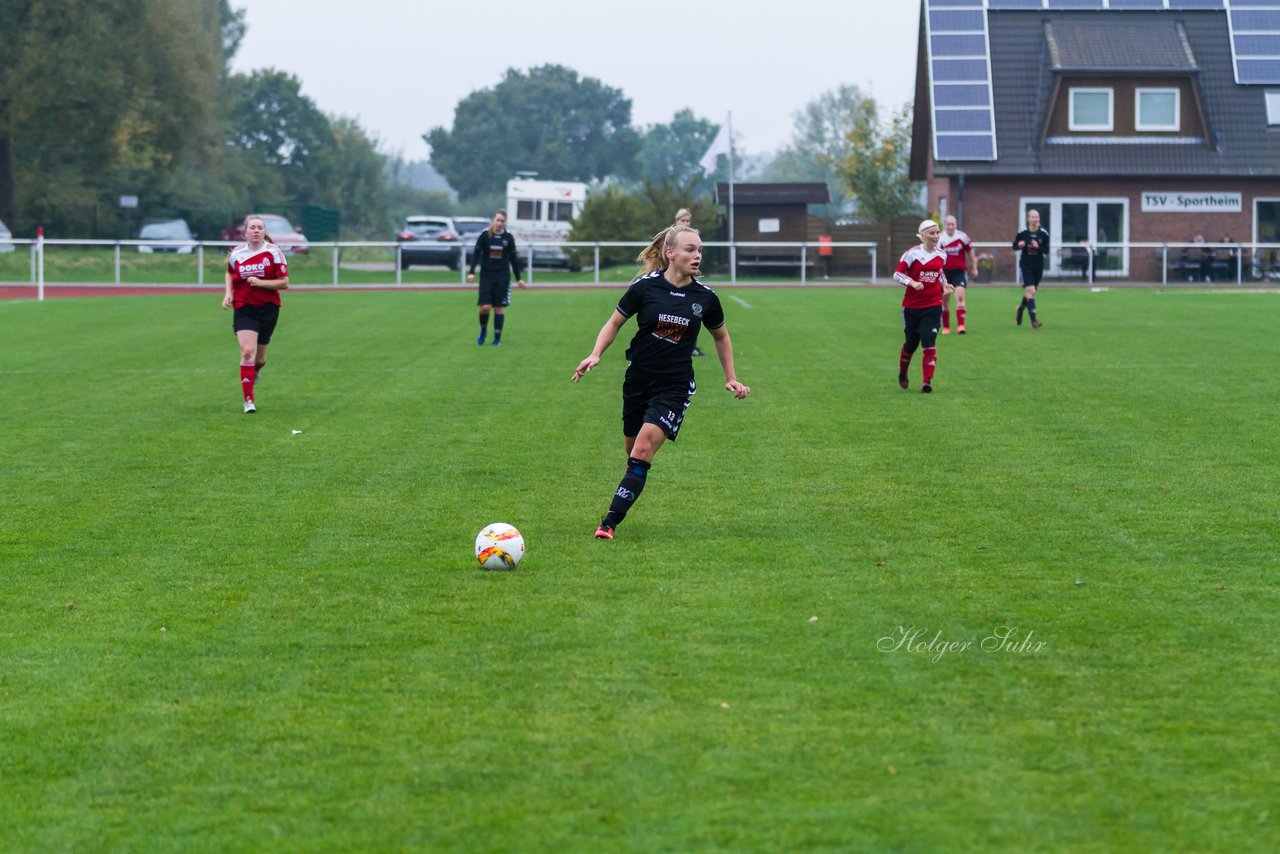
1138 121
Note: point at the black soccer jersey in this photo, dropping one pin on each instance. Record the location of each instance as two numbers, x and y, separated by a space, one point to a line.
494 253
669 319
1035 243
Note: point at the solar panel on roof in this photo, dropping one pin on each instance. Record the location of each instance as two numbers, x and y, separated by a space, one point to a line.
954 45
1015 4
958 21
1075 4
1255 19
966 147
961 95
959 70
1255 40
1137 4
1258 71
1195 4
1249 45
960 77
964 119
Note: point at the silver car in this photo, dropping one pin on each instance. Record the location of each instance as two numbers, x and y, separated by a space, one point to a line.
172 235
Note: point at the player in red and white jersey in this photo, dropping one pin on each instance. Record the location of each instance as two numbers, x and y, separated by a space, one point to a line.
960 260
256 274
921 272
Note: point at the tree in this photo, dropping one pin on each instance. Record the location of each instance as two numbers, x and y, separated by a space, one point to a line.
876 169
280 136
547 120
672 151
622 214
359 188
820 142
118 97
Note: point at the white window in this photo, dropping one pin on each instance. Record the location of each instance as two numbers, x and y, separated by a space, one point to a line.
1156 109
1090 110
1273 107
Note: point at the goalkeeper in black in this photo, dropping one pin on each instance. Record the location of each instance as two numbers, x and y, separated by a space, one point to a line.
495 252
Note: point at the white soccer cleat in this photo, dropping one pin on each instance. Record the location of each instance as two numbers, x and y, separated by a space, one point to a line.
249 407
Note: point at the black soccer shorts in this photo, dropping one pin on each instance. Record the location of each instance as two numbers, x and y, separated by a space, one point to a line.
261 319
647 399
920 326
494 292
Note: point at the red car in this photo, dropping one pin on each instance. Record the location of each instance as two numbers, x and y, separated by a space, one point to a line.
280 231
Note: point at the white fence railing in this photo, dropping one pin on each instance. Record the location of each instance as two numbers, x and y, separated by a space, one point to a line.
1136 261
801 256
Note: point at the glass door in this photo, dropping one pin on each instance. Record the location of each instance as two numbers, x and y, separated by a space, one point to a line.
1073 223
1266 229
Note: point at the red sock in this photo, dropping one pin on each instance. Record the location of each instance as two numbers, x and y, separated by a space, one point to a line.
946 318
246 380
904 361
960 313
930 362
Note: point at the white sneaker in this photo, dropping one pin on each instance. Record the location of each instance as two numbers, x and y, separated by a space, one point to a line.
249 407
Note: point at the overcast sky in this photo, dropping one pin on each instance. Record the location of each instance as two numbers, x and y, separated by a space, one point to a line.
400 67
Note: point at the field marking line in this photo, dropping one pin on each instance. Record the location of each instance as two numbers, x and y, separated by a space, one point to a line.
1200 292
740 301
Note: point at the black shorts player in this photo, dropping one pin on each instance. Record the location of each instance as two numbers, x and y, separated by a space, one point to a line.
659 380
957 276
920 326
670 307
495 253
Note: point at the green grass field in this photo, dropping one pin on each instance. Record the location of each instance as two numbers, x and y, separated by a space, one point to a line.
231 633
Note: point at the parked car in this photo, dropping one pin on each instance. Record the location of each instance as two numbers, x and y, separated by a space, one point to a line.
5 232
281 232
429 240
469 228
174 233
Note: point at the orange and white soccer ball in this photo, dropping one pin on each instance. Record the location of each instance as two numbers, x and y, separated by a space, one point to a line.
499 546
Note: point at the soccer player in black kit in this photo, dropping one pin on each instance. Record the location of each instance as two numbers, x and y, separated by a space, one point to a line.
495 252
1034 243
670 306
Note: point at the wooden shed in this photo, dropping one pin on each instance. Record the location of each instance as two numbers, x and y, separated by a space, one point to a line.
765 213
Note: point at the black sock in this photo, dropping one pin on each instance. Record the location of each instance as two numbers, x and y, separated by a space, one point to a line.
484 322
1031 308
498 320
628 491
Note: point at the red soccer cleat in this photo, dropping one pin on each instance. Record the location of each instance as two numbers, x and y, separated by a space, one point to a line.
604 532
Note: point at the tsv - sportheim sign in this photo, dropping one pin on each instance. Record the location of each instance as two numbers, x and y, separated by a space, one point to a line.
1165 201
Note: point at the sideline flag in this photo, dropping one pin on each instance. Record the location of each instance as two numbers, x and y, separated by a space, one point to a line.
719 145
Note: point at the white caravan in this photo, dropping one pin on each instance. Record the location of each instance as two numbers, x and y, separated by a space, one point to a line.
542 212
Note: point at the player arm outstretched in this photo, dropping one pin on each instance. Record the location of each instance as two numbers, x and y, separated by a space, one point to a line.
608 332
724 349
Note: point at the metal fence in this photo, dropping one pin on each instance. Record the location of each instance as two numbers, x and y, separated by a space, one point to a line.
799 263
1147 263
802 261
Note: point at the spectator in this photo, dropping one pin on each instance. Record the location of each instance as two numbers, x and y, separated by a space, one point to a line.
1232 254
